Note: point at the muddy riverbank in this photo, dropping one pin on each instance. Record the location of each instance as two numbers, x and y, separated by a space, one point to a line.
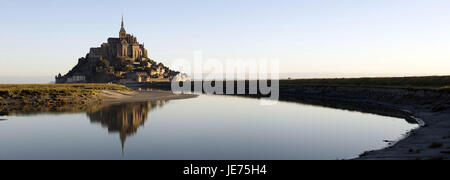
429 108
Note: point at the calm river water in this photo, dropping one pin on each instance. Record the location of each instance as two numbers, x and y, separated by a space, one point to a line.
203 128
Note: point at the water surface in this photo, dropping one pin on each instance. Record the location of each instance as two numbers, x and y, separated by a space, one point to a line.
208 127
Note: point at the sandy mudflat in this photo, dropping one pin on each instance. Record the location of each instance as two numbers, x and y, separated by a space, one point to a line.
429 142
141 96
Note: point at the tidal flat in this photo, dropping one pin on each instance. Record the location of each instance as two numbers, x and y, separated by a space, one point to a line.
32 98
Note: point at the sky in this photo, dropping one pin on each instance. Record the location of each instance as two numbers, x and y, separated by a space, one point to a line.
326 38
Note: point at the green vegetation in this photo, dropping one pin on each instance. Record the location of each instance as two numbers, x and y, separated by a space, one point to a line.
104 63
441 83
51 95
39 88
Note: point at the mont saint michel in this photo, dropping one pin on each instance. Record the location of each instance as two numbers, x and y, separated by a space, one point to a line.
121 60
224 80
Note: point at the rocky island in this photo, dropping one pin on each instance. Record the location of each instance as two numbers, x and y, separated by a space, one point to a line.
101 76
121 60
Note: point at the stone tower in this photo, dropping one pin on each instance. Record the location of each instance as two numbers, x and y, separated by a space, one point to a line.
123 33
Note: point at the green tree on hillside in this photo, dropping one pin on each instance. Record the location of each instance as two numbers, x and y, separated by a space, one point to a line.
104 63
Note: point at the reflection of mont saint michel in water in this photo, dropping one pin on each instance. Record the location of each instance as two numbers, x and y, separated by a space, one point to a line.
124 118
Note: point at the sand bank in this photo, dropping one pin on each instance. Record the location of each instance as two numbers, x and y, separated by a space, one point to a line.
109 96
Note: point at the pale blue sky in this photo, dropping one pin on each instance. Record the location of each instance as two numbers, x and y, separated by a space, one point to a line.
327 37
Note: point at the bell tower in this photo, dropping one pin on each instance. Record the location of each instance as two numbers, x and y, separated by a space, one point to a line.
123 33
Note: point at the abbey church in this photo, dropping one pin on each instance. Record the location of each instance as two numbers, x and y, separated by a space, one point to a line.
120 60
125 47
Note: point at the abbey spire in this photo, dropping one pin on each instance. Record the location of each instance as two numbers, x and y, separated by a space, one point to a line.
123 33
